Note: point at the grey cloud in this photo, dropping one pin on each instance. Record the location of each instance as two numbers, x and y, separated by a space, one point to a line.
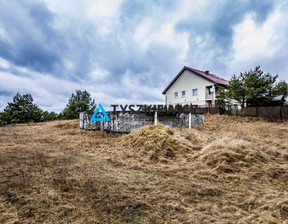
217 22
37 39
27 25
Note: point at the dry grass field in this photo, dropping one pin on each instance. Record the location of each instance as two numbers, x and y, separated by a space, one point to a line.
229 170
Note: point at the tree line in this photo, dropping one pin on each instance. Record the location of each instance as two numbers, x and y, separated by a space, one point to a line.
22 109
252 88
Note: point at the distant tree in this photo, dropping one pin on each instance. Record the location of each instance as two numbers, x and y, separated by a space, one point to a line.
281 88
79 102
253 88
236 90
21 110
50 116
60 116
222 98
5 118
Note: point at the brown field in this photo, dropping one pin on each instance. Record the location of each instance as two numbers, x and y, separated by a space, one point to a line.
229 170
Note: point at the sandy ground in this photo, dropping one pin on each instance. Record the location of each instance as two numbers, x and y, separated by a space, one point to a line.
229 170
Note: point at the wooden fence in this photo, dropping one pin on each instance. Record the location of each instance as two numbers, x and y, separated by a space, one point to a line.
210 110
271 113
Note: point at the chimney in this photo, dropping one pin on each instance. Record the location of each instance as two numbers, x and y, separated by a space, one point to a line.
207 72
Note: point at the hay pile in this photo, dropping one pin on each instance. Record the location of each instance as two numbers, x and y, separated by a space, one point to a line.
208 152
156 143
231 155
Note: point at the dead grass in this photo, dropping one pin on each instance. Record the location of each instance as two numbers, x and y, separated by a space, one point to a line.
155 144
229 170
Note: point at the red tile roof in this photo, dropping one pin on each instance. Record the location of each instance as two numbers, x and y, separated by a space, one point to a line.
210 77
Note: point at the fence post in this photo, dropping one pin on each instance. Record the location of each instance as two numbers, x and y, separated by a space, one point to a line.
81 120
102 126
155 118
190 117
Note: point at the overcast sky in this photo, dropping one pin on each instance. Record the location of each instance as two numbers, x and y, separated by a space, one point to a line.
127 51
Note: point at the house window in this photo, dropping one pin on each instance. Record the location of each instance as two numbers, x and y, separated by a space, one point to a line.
183 94
194 92
176 95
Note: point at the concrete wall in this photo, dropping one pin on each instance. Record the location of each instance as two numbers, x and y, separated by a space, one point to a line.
127 122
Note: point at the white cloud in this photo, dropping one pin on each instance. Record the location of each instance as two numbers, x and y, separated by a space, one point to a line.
158 26
4 36
46 90
107 9
4 63
100 16
69 65
52 93
254 44
252 41
98 74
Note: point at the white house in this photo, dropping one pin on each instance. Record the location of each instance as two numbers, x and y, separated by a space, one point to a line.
193 86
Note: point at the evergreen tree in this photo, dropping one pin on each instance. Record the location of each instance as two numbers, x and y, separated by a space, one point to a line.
50 116
222 99
253 88
21 110
281 88
79 102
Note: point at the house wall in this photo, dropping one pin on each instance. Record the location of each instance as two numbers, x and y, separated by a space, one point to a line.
186 82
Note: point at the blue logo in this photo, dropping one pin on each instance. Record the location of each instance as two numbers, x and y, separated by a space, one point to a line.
99 115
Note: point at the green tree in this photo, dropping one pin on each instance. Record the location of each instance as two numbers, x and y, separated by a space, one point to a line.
5 118
222 98
253 88
50 116
236 90
21 110
281 88
79 102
